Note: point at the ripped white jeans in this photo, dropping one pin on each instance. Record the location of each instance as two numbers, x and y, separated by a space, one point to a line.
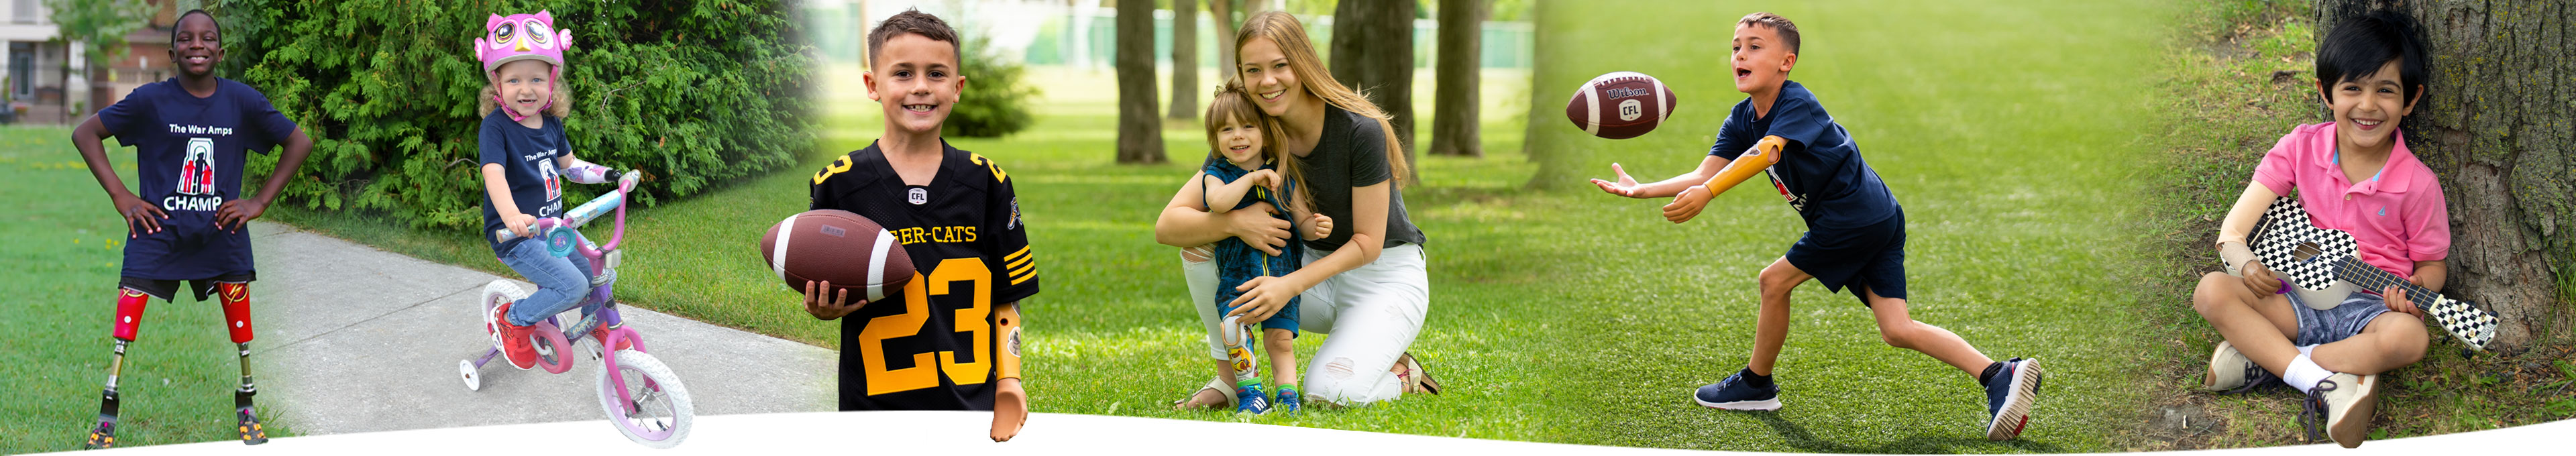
1372 313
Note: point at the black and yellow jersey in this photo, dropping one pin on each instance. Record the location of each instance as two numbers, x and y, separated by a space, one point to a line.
931 345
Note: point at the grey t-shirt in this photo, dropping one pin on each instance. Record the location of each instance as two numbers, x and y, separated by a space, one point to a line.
1352 153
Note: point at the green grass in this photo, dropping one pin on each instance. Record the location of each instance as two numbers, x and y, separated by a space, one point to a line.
1999 127
1112 333
65 246
2223 106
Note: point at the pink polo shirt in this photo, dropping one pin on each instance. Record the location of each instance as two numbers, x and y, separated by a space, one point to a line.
2396 216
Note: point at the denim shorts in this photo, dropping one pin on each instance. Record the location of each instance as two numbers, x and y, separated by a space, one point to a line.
2342 321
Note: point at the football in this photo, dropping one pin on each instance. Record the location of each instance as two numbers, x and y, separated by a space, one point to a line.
1620 105
836 246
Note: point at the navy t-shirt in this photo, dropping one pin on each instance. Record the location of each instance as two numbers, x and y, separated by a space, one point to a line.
1820 172
189 154
527 159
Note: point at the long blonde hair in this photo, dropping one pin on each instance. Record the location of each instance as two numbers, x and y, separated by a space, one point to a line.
1231 102
1283 29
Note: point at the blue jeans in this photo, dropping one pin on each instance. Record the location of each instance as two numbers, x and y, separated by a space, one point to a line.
561 281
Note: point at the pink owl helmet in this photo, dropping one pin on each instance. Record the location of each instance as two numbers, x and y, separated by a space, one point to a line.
519 37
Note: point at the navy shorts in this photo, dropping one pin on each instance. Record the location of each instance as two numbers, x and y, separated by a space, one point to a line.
1867 258
2342 321
168 290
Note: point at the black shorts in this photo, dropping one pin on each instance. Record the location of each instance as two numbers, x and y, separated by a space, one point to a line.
1868 258
168 290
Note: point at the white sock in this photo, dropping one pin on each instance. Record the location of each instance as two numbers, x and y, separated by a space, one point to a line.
2304 373
2307 350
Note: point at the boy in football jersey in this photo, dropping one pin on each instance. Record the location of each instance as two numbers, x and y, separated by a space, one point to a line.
1855 230
950 339
191 134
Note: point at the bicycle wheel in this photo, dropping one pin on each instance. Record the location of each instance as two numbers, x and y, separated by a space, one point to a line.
658 413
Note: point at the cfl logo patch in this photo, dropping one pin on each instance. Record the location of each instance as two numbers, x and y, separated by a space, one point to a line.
197 170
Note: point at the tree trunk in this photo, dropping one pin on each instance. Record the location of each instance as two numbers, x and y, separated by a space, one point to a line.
1225 20
2493 124
1373 52
1185 60
1140 129
1454 114
1553 172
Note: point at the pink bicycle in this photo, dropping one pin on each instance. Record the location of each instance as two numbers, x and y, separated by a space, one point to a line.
641 396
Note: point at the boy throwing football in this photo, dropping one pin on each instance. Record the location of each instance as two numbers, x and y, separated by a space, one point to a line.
1855 230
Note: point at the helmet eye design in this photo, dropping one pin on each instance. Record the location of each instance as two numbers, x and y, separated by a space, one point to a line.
501 35
540 36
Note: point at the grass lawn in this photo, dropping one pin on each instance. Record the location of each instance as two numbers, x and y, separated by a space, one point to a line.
2002 128
2224 107
1112 333
67 246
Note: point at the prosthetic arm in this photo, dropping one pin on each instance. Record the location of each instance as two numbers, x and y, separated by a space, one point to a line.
1010 401
582 172
1763 154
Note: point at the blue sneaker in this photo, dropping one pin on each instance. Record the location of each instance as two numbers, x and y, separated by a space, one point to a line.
2008 397
1289 400
1250 399
1734 393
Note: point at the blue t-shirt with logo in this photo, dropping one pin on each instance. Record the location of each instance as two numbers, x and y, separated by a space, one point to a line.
527 159
1820 171
189 154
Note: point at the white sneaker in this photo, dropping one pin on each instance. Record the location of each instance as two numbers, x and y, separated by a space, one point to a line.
2343 403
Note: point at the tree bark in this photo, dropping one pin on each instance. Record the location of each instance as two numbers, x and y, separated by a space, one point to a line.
1185 60
1373 52
1140 129
1454 118
2493 124
1224 12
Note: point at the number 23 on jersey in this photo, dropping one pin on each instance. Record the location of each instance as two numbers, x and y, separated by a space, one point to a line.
928 366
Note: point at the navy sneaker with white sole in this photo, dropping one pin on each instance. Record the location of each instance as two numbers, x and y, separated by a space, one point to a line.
2009 394
1734 393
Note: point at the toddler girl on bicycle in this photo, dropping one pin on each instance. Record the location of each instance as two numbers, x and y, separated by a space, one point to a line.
525 155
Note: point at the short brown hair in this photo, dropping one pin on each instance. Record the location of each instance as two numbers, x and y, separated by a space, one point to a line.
915 22
1788 31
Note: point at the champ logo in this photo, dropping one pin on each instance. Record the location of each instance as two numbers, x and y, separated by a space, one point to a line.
546 172
196 190
197 170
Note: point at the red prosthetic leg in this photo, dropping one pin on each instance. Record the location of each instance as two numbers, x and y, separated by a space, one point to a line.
129 317
236 301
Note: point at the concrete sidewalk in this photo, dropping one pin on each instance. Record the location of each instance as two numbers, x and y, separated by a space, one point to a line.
355 339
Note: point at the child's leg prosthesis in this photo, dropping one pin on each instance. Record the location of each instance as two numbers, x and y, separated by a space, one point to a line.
234 296
1247 368
129 317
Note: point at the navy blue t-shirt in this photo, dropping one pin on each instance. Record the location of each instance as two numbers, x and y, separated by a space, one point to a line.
527 159
189 154
1820 172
